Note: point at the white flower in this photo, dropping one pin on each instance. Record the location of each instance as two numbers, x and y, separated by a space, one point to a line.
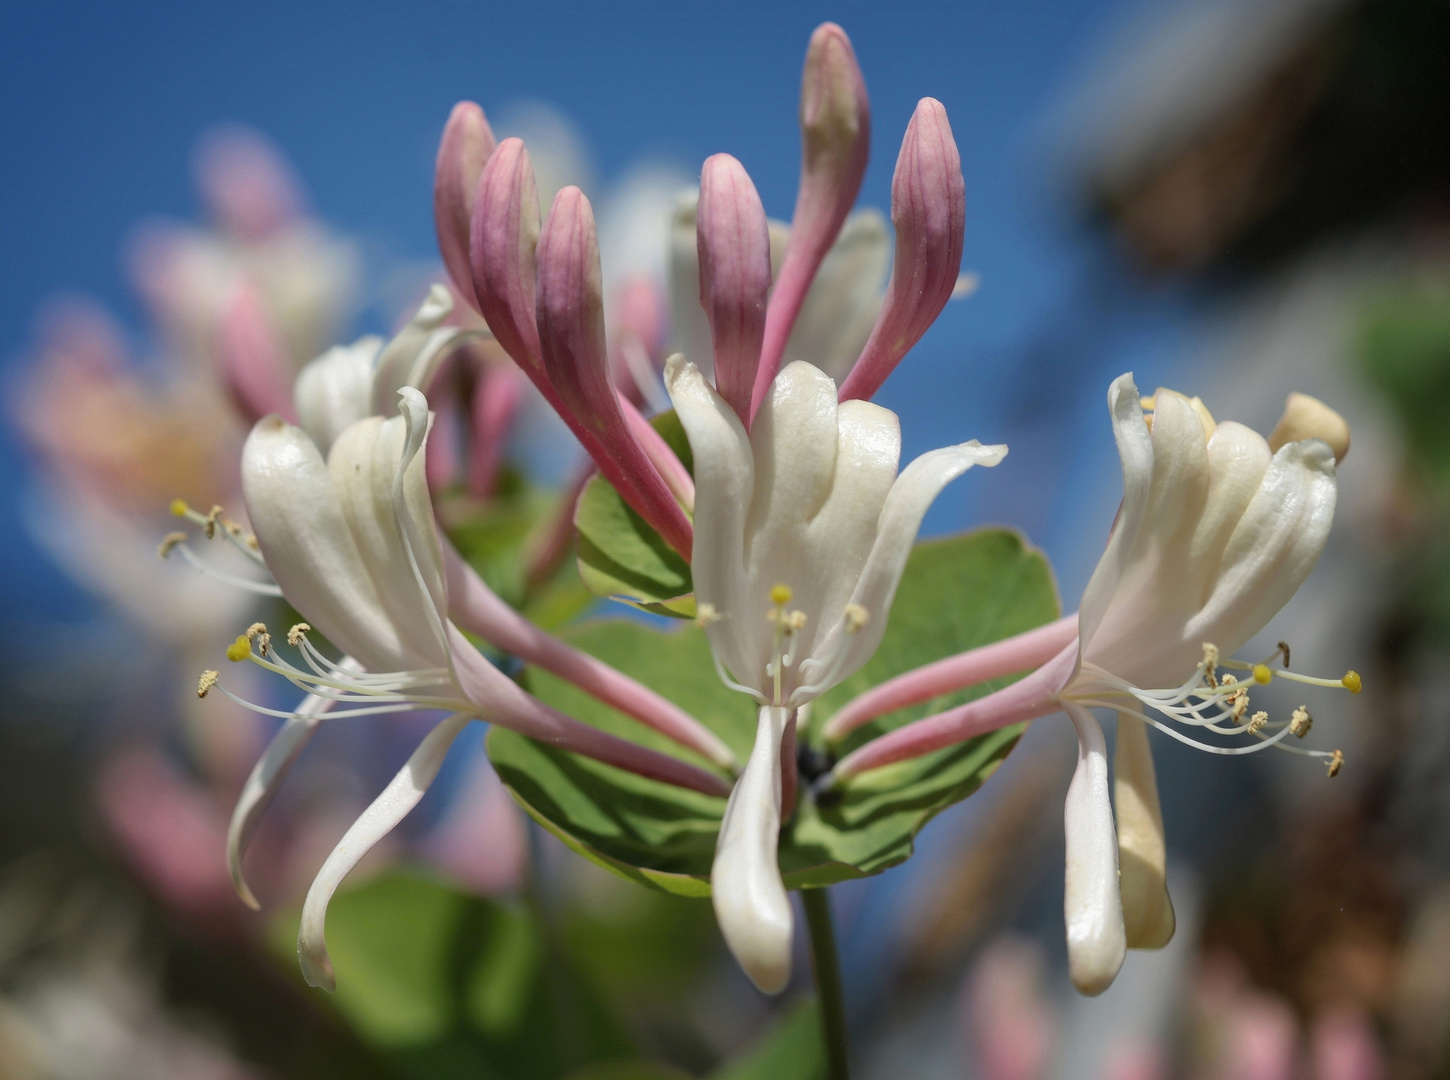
802 532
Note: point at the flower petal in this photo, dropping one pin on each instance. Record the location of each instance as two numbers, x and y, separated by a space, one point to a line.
403 793
844 299
463 151
336 390
1096 942
1142 857
750 900
724 482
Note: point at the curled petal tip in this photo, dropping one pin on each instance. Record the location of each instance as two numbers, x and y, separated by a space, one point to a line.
734 243
1307 417
463 151
928 208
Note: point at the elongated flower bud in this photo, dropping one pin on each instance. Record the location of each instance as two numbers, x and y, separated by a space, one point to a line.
835 142
248 185
463 151
503 238
254 363
570 309
734 245
929 209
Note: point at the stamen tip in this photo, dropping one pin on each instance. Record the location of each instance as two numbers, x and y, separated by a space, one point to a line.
1263 674
1353 684
297 633
170 540
208 679
856 618
780 595
179 507
1335 763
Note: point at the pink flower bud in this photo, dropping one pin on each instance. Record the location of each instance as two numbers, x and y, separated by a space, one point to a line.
463 151
835 142
253 358
734 244
570 310
929 209
503 236
246 182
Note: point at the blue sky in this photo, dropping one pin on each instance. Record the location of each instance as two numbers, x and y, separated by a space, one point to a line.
104 102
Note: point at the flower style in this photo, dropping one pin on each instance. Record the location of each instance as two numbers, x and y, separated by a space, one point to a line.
352 543
1218 529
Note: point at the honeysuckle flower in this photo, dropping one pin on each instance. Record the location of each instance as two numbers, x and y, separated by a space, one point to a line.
1219 527
352 544
803 530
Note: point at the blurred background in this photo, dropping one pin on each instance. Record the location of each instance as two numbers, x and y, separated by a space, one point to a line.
1234 198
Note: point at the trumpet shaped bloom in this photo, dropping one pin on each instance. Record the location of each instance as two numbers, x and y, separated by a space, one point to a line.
352 544
1219 527
802 533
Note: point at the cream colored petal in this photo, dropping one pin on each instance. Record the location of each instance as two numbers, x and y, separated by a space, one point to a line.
298 519
689 326
1307 417
1135 449
1142 857
403 793
1096 941
335 390
750 900
396 361
1273 547
845 649
364 464
724 480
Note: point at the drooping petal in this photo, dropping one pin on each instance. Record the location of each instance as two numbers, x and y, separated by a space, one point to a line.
1096 943
266 778
835 142
336 390
403 793
724 482
750 900
1142 857
845 650
463 151
1135 449
928 208
734 246
297 516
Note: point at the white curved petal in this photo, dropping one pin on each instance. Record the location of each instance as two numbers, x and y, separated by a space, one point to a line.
1142 854
1273 547
842 652
267 776
724 480
396 361
1096 942
750 900
400 796
364 464
304 536
335 390
1135 449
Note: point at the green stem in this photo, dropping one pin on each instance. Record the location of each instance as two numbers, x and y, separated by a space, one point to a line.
829 997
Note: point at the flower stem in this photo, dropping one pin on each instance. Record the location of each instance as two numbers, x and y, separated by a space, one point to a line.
829 997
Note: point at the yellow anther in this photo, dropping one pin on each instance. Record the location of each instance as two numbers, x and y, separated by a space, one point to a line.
170 540
1335 763
1300 722
705 614
179 507
1228 680
1262 674
297 633
1238 703
1257 722
255 629
794 622
1352 683
1148 404
856 617
240 649
258 632
780 595
206 682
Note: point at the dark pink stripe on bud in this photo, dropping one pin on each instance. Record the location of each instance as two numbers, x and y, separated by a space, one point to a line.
463 151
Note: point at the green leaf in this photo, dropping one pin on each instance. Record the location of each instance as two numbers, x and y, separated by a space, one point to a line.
957 593
628 1070
447 984
792 1049
621 556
